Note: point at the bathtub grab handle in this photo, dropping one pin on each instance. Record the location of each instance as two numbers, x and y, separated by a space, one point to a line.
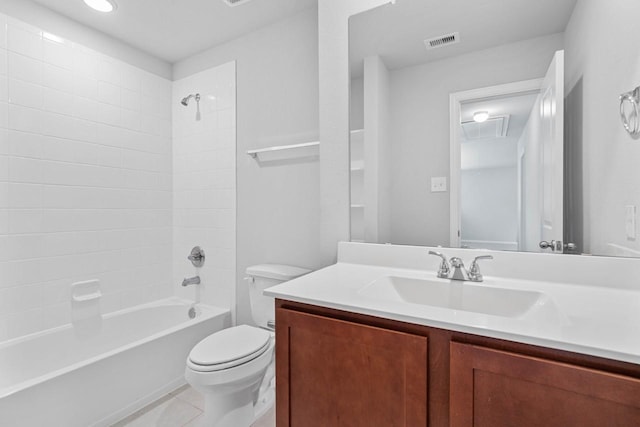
87 297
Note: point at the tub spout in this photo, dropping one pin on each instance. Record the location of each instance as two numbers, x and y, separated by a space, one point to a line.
195 280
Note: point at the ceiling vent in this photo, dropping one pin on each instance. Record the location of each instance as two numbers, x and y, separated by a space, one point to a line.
442 41
494 127
233 3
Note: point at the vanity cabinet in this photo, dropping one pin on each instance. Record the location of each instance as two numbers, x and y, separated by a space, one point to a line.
497 388
337 373
336 368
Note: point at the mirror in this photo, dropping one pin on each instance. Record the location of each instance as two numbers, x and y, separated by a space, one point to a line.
421 69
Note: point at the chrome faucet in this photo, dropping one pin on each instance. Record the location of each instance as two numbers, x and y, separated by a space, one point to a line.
459 272
195 280
454 269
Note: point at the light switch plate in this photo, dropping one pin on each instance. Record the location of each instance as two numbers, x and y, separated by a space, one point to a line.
630 221
438 184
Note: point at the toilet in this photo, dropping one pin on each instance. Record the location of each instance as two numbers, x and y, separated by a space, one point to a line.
234 368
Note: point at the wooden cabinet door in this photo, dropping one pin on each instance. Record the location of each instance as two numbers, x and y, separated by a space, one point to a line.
494 388
333 373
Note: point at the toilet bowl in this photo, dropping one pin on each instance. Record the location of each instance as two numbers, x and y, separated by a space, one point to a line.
234 369
227 368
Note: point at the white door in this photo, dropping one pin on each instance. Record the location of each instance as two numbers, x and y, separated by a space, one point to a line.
552 158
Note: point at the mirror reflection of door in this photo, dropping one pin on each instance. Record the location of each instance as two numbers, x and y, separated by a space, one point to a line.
552 134
490 170
511 154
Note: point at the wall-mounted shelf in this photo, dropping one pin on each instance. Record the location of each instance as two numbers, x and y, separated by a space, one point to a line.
275 149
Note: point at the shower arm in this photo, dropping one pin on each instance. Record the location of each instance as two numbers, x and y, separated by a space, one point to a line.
185 100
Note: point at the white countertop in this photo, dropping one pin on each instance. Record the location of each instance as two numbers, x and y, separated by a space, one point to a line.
594 320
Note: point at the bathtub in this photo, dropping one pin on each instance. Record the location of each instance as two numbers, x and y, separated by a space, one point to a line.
99 372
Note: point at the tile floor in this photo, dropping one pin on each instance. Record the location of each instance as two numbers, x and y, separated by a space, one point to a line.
180 408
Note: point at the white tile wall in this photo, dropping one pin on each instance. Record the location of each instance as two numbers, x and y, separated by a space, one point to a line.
85 180
204 183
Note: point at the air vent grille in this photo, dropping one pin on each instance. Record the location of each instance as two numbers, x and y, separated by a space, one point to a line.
442 41
233 3
494 127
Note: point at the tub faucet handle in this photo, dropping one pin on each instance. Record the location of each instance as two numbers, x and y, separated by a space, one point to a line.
197 256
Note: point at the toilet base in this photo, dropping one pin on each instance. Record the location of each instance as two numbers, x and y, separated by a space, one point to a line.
266 394
234 410
264 403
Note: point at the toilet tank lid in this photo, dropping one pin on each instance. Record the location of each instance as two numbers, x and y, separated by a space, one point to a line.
276 271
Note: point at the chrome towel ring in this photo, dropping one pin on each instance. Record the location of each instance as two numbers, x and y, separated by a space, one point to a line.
631 119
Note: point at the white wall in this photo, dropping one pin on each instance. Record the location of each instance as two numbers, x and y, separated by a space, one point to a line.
277 104
488 153
356 104
204 184
377 151
530 160
85 179
601 63
489 201
420 128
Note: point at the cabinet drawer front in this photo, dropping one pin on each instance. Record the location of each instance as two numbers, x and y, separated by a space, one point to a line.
337 373
496 388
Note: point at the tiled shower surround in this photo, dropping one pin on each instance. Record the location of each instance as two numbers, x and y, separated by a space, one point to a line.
85 179
204 183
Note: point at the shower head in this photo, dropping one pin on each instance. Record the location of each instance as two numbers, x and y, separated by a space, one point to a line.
185 100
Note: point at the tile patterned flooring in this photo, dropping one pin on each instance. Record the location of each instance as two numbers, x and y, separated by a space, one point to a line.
180 408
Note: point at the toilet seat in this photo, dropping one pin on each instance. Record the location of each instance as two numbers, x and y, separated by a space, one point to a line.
229 348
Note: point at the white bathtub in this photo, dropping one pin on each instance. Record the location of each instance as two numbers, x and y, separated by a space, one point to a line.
73 377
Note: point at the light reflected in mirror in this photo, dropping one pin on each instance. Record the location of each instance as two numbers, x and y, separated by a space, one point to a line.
411 185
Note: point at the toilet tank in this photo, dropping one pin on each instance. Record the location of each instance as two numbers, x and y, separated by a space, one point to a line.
264 276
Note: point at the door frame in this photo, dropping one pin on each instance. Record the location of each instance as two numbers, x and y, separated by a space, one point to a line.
455 132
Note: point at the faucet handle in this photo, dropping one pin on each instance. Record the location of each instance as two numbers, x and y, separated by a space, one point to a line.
443 270
474 270
196 256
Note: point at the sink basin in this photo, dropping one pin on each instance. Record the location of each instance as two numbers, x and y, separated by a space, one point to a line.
455 295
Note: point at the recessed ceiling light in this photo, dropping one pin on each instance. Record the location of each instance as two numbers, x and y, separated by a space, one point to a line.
480 116
101 5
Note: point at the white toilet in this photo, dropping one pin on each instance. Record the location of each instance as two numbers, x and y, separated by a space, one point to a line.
234 368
